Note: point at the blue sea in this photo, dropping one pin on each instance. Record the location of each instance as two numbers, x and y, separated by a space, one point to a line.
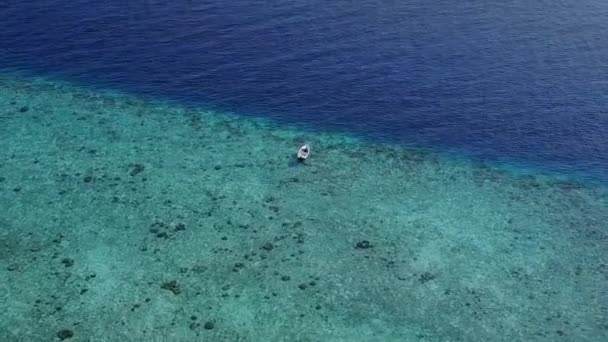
457 188
518 81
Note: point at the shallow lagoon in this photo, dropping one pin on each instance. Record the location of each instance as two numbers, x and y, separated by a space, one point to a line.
124 219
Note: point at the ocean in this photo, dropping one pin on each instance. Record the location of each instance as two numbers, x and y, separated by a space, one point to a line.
456 190
516 81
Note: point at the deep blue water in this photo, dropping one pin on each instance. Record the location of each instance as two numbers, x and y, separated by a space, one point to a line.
509 80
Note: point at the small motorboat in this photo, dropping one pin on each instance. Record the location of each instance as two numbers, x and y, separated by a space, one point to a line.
303 152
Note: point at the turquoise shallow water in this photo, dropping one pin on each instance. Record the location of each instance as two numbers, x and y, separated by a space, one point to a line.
124 219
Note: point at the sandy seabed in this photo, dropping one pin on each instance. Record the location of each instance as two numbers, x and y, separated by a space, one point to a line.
127 220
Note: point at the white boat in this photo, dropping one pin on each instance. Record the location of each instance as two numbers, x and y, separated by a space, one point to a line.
303 152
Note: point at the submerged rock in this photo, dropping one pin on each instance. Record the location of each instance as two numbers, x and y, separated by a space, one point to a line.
363 244
172 286
136 169
65 334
